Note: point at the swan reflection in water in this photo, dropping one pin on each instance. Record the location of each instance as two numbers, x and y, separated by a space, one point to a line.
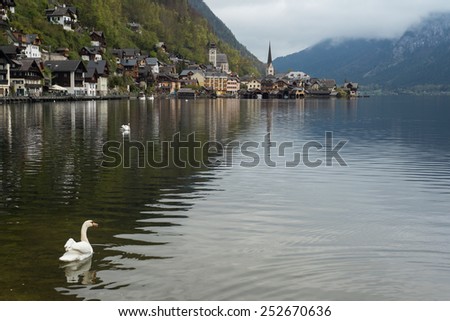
80 272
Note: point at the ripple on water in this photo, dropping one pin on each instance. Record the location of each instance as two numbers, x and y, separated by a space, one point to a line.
376 229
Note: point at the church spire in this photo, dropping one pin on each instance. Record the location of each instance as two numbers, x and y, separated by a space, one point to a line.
270 71
269 58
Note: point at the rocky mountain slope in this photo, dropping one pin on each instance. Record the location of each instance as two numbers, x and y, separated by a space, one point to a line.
421 56
224 33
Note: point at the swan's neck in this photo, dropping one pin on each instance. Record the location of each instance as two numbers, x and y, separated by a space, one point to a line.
84 233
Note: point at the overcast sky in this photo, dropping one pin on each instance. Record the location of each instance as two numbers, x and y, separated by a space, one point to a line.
292 25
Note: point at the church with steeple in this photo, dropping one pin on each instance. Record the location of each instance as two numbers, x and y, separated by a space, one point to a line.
270 71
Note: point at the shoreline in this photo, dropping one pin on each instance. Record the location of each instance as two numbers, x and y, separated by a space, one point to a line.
29 99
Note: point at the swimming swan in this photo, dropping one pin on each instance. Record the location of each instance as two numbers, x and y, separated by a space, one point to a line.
125 128
78 251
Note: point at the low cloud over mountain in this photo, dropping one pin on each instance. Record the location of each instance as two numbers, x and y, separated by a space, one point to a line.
421 56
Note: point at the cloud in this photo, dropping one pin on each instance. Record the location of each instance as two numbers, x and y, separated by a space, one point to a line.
292 25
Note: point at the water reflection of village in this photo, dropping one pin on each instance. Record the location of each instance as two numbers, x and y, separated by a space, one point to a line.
31 128
82 128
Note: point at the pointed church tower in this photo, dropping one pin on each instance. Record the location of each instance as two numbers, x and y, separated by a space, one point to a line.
270 71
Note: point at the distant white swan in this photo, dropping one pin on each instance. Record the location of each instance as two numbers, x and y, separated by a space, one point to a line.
125 128
78 251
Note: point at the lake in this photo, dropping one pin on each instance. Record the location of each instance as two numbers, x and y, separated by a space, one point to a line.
314 199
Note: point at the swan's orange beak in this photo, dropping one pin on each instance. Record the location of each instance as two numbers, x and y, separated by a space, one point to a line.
94 224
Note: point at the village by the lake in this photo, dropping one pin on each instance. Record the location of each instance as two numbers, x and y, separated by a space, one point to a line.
32 70
148 155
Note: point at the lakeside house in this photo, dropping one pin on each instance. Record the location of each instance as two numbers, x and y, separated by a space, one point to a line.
98 40
186 93
351 88
6 7
96 78
128 68
254 84
125 53
13 52
135 27
27 78
90 53
152 64
167 84
28 44
216 81
63 15
233 85
5 76
194 74
69 74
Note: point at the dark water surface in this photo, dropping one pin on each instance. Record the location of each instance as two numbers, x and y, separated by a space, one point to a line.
376 229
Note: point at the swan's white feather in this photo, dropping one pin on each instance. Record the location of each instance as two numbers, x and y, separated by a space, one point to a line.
69 244
82 247
72 256
125 128
76 251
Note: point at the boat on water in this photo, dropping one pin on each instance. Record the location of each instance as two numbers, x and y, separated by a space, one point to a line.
151 97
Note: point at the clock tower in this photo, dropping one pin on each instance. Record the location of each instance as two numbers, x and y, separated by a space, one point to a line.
213 54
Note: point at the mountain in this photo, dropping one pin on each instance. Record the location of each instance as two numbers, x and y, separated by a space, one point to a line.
180 24
421 56
346 59
223 32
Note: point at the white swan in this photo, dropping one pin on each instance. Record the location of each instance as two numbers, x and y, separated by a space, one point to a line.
78 251
125 128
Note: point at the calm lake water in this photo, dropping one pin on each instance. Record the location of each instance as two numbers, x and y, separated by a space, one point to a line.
248 228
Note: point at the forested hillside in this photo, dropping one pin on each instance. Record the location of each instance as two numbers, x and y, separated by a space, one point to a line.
223 32
174 22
